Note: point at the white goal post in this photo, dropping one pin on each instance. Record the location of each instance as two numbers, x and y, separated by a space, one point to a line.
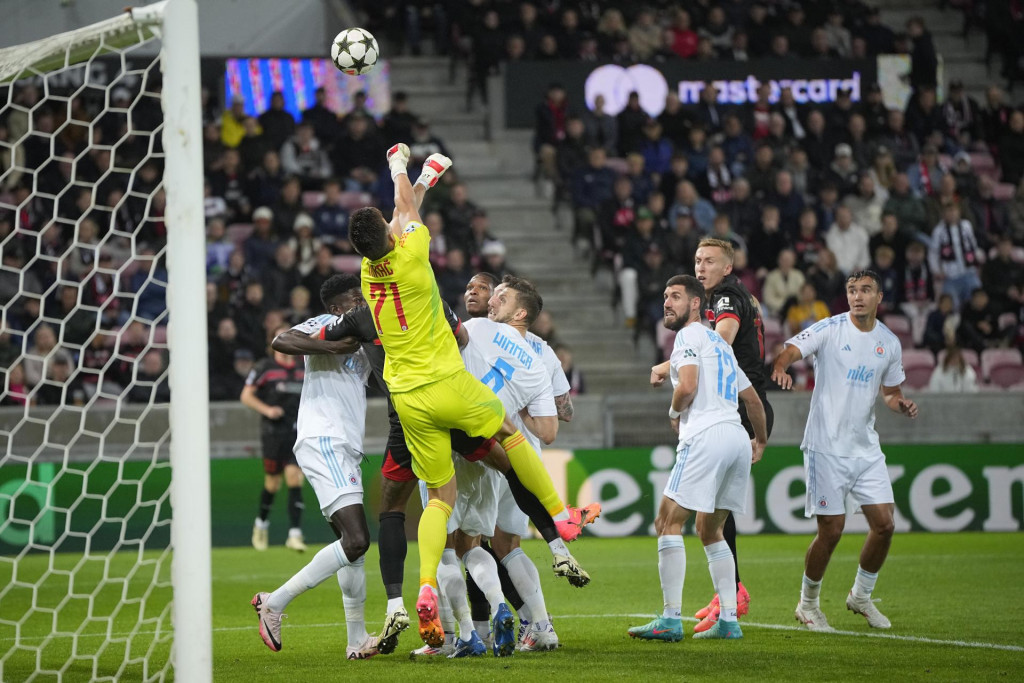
92 586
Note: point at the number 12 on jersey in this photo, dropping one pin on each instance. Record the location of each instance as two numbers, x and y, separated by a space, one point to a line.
379 293
726 375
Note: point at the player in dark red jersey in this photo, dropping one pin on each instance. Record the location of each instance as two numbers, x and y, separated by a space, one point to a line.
736 315
272 389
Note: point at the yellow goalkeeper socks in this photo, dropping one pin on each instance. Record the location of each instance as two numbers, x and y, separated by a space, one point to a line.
532 474
433 532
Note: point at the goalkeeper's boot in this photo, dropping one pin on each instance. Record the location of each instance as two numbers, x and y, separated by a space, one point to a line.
742 600
866 608
567 566
570 529
474 647
540 639
709 608
431 631
721 630
503 628
260 537
270 621
707 622
296 542
364 650
394 623
813 618
660 628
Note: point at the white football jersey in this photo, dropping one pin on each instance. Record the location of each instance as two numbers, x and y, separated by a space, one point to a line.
849 368
333 401
559 382
719 379
499 357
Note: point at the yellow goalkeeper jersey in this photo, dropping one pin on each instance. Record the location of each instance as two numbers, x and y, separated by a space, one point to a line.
400 287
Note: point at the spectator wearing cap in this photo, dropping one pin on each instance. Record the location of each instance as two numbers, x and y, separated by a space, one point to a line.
303 156
304 245
600 129
849 242
843 171
492 259
954 255
277 123
260 245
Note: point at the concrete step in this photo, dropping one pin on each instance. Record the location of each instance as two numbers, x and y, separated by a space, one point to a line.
935 21
430 101
513 156
954 50
424 71
489 188
448 129
599 380
973 73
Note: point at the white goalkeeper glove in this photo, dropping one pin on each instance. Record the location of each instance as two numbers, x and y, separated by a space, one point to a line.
398 159
433 168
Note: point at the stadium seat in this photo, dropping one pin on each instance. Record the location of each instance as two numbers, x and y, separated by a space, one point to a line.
350 201
982 161
347 263
918 358
772 326
239 232
900 326
617 164
1007 320
312 199
970 357
993 359
1003 191
918 376
1007 376
160 334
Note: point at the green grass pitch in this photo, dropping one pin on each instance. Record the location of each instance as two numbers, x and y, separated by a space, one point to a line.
952 599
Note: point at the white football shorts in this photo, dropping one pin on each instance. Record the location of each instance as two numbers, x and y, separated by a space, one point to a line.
511 519
476 504
830 479
332 468
712 470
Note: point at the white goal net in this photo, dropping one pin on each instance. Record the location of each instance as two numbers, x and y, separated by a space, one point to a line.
100 199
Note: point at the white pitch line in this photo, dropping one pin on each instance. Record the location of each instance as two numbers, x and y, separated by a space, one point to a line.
774 627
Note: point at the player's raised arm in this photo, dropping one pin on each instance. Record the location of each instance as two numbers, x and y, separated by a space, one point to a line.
659 373
789 355
297 343
897 402
409 196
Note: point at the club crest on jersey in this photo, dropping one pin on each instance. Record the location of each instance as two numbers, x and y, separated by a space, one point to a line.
352 479
879 349
823 503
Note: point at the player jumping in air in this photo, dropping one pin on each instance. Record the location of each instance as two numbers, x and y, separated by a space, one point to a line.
735 315
430 387
329 448
713 459
272 389
854 356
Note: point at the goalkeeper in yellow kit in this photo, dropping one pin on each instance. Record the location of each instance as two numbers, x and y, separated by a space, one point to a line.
430 387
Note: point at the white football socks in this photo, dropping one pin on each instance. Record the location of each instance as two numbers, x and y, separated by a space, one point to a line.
671 570
809 592
526 579
723 575
558 547
324 564
484 570
864 584
453 589
352 581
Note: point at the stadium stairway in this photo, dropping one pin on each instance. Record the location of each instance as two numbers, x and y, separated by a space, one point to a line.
497 173
963 59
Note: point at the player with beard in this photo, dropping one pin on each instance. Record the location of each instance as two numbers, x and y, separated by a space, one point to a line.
735 314
713 459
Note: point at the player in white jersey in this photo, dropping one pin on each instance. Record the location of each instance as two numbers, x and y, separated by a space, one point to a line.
713 460
329 449
855 355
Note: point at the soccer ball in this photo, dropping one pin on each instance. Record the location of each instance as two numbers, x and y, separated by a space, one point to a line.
355 51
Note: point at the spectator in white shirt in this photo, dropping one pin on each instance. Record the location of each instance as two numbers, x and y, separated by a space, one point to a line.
849 242
954 375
